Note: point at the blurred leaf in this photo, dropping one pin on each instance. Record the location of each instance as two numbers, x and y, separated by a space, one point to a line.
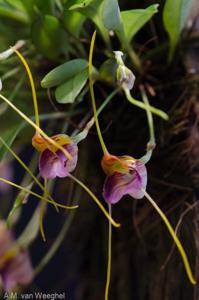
8 136
79 3
14 12
29 7
175 15
64 72
135 19
67 92
31 230
111 15
19 201
46 7
48 36
107 71
73 22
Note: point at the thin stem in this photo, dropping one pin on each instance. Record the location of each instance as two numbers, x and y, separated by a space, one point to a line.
149 116
36 195
34 95
174 236
141 105
108 278
43 210
38 129
90 66
151 144
95 199
27 169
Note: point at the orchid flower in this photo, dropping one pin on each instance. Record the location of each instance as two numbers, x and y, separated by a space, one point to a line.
15 265
126 175
53 162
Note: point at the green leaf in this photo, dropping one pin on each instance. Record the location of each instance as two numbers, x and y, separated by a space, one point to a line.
135 19
67 92
175 15
48 36
111 15
64 72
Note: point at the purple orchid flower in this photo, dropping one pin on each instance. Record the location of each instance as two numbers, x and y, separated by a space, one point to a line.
53 162
125 175
6 171
15 265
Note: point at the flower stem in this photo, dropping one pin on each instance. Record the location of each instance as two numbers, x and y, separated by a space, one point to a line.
35 194
95 199
38 129
34 95
141 105
90 66
174 236
108 278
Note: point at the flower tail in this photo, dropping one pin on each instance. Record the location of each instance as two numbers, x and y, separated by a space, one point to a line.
174 236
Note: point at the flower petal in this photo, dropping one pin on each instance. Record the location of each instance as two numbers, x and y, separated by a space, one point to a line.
115 187
136 187
53 165
18 271
118 184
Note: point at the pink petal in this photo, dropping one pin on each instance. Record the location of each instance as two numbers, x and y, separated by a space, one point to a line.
53 165
118 184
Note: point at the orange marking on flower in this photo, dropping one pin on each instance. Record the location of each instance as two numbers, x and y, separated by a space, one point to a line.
41 144
111 164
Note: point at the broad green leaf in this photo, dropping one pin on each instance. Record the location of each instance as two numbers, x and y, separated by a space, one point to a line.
111 15
48 36
175 15
64 72
67 92
135 19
